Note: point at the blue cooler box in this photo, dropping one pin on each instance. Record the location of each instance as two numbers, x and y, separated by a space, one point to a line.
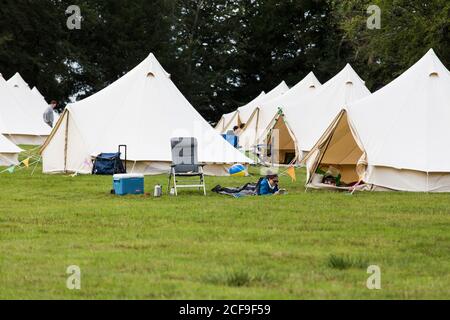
128 184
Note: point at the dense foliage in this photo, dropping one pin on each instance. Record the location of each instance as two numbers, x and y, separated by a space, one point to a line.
221 53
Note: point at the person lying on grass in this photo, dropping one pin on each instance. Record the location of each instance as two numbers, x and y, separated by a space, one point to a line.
265 186
269 185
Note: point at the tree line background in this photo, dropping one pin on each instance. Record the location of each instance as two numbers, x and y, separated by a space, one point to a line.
221 53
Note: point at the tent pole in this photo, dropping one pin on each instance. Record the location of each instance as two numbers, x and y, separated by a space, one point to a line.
322 154
256 129
65 143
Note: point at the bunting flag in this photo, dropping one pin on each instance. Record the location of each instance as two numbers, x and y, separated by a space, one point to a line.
26 162
11 169
291 173
87 162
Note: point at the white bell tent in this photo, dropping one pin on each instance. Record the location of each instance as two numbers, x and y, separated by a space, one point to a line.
227 122
16 123
247 112
9 152
143 110
35 106
395 139
266 116
232 119
310 115
37 93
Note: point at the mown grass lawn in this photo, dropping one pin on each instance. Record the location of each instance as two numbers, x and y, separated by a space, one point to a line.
304 245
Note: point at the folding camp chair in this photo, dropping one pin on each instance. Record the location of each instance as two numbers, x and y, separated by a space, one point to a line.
185 164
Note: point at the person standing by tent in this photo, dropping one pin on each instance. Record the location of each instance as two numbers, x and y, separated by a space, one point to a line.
49 116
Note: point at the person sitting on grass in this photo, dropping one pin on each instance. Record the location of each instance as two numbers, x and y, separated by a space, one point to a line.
269 185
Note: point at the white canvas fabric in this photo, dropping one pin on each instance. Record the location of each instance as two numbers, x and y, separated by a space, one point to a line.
400 132
142 110
310 115
33 104
411 117
250 114
230 120
259 124
17 80
38 93
9 152
247 111
16 123
227 122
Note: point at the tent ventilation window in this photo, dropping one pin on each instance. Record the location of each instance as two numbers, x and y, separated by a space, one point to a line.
434 74
349 83
150 74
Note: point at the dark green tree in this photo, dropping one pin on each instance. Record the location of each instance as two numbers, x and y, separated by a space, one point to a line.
221 53
230 51
32 43
408 30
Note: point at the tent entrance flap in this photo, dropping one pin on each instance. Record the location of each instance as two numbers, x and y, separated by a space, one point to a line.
341 154
281 142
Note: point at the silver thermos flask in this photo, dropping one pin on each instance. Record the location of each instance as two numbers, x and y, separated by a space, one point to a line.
158 191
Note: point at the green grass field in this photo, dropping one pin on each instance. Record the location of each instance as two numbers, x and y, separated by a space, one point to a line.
304 245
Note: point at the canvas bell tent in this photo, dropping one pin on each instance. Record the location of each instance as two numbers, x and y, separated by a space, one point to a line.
266 117
227 122
246 113
249 116
9 152
38 94
308 116
249 111
16 123
143 110
34 106
395 139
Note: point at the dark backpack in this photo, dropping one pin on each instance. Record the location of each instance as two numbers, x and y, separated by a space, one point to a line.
108 164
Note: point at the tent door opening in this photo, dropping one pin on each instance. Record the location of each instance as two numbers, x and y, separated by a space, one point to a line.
281 148
339 157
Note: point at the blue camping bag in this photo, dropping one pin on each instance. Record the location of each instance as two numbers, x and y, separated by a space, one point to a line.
108 164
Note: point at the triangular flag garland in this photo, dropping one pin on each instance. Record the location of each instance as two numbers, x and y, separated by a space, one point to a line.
88 163
26 162
291 173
